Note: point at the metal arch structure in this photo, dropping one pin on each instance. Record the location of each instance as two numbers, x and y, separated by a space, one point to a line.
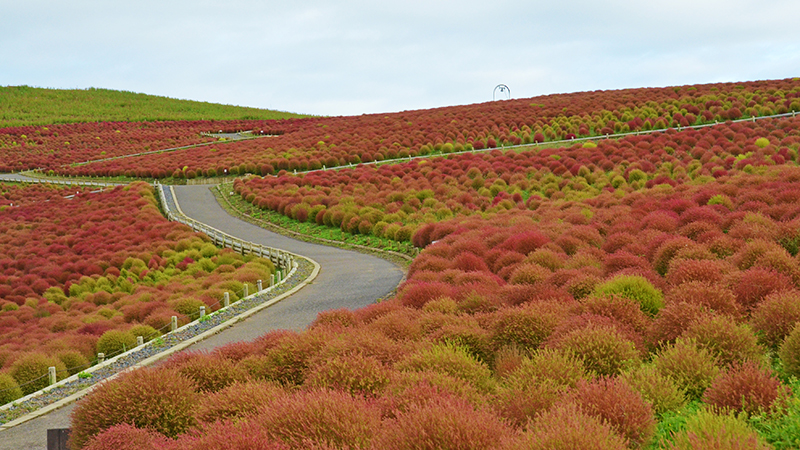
502 88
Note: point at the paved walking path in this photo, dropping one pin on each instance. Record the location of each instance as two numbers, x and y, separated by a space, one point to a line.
347 279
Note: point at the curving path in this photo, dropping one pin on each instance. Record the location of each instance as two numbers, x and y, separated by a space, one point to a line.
347 279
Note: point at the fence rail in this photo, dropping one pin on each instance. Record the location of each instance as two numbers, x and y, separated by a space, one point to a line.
281 258
284 261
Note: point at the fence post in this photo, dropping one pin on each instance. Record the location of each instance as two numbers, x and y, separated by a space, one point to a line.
57 438
246 291
173 322
202 311
259 285
226 299
51 372
139 341
272 280
101 357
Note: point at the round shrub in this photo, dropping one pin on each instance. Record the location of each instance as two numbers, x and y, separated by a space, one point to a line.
9 389
285 363
602 348
353 373
707 430
582 286
672 321
754 284
234 435
667 250
618 404
686 270
126 437
326 419
728 341
526 326
145 331
158 400
748 388
519 403
31 371
790 352
624 310
73 360
715 297
452 360
529 273
468 334
567 427
415 295
693 368
559 366
775 317
190 306
634 287
237 401
446 423
209 372
661 391
114 342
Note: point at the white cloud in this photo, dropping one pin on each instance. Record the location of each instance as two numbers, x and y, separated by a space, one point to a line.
351 57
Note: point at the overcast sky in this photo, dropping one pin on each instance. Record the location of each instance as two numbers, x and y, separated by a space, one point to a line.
353 57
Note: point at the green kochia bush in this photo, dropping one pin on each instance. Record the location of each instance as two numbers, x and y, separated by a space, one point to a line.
692 367
708 430
790 352
567 427
9 389
114 342
634 287
453 360
31 371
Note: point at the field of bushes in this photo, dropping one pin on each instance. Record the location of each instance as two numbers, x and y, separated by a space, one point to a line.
85 272
639 292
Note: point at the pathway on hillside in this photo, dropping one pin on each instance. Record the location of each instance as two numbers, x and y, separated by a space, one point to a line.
347 279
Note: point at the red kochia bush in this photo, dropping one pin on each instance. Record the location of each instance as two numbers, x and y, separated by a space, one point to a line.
415 295
320 418
615 402
445 423
127 437
211 372
775 317
712 296
746 387
237 400
752 285
156 399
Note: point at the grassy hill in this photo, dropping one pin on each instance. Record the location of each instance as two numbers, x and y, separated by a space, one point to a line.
24 105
